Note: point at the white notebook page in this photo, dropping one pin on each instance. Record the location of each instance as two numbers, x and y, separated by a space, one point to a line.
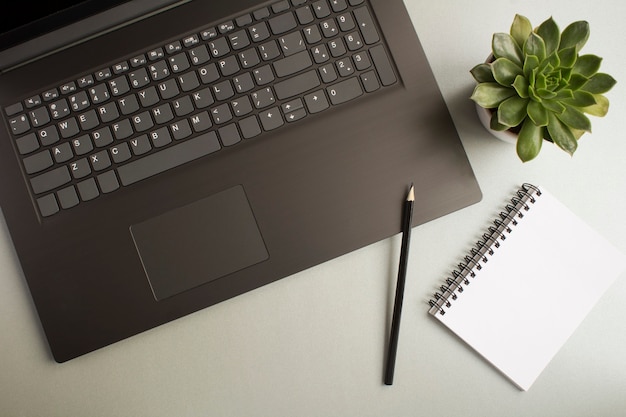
534 290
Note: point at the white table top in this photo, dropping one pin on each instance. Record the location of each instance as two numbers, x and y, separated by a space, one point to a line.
314 344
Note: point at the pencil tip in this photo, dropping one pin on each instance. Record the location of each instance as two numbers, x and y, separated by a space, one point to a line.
411 196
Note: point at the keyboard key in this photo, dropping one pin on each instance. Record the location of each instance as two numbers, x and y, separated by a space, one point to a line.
201 121
263 75
80 168
160 137
263 98
190 41
19 124
140 145
297 85
102 137
47 205
281 6
346 22
68 197
344 91
282 23
259 32
219 47
13 109
38 162
88 189
316 102
338 5
122 129
229 134
238 40
293 64
203 98
321 9
33 101
271 119
366 24
50 180
27 144
221 114
100 161
62 153
180 129
383 65
370 82
68 128
108 182
249 58
261 13
99 93
292 43
120 153
168 158
305 15
250 127
39 116
88 120
269 51
48 135
199 55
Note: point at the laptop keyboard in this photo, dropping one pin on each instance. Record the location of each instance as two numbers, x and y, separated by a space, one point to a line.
209 90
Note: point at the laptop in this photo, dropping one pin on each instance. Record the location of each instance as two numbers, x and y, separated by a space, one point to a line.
160 157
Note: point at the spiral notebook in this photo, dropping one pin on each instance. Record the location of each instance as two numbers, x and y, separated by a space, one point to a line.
527 285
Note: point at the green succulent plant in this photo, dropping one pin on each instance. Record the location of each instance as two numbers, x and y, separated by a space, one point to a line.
539 86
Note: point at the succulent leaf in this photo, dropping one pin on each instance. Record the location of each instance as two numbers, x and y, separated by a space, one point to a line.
576 81
587 65
504 71
482 73
521 86
549 32
600 109
537 113
529 141
546 94
512 111
581 99
530 64
490 95
561 134
599 83
553 106
495 125
520 29
504 46
568 56
575 119
576 34
535 45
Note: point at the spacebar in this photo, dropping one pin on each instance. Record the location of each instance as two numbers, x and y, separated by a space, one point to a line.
168 158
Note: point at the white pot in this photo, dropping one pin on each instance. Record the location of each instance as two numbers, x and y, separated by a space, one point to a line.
485 118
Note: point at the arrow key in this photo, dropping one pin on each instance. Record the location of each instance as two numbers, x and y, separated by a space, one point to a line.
316 101
271 119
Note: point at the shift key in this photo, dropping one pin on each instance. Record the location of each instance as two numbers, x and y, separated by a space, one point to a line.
50 180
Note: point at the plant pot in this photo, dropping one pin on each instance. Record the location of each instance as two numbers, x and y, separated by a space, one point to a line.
484 115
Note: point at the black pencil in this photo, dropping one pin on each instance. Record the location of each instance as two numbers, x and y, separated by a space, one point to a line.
397 308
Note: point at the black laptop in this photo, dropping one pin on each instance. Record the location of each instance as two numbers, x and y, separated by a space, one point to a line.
160 157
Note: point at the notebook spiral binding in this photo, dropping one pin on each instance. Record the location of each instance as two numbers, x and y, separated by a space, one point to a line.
479 254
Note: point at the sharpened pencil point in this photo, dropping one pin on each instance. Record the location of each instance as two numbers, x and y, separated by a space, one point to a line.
411 195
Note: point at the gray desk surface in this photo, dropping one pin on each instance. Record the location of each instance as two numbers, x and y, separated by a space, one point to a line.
313 344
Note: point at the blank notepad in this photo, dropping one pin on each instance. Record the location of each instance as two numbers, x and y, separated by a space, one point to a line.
527 285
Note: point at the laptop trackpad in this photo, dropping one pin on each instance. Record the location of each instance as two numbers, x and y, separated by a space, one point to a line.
198 243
